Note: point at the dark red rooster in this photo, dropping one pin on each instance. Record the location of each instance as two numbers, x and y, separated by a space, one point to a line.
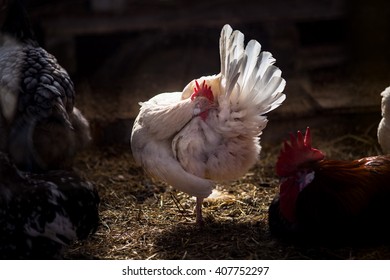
329 201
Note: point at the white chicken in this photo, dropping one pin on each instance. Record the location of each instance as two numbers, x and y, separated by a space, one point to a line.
384 124
211 130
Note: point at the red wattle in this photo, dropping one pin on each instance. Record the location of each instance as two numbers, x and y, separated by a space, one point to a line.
289 192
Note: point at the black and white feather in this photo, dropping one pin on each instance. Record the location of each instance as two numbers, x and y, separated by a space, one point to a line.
40 127
41 214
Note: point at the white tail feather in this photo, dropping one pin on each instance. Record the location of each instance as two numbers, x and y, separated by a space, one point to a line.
223 42
249 78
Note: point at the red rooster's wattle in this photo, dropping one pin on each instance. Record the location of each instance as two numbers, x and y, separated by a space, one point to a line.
329 200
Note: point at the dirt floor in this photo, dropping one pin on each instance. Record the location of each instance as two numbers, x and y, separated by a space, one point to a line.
146 219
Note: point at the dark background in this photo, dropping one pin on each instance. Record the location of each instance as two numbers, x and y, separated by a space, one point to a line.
85 33
334 54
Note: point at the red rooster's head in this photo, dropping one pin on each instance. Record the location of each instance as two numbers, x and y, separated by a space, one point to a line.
290 166
204 97
296 153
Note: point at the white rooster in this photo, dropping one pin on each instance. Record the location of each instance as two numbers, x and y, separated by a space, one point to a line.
211 130
384 125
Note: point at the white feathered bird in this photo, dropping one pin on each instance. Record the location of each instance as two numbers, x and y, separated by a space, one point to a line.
211 130
384 125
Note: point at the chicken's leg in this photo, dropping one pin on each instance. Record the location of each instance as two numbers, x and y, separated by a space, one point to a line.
198 210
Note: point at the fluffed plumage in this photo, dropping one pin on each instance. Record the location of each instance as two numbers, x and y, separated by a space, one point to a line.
39 125
329 201
211 130
384 125
42 213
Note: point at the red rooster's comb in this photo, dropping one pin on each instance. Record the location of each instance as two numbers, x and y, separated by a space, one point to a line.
296 153
205 91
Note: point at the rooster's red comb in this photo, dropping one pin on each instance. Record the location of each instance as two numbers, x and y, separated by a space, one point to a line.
295 153
299 143
203 90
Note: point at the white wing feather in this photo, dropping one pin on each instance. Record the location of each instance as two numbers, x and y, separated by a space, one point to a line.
160 118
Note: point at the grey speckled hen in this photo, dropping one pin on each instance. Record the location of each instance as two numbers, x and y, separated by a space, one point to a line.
42 213
40 127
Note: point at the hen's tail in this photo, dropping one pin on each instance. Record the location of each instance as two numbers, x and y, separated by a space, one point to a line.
249 78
